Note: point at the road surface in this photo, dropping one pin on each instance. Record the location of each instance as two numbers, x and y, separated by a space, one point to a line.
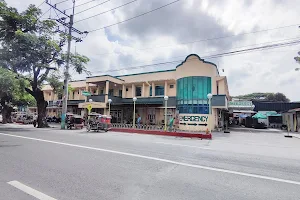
57 164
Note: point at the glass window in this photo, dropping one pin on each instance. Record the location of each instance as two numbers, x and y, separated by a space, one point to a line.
138 91
101 91
120 93
171 86
159 90
192 94
111 92
150 93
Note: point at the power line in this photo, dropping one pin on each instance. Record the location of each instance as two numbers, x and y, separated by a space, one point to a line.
106 11
80 5
44 13
61 2
208 39
232 48
93 7
41 4
278 45
135 16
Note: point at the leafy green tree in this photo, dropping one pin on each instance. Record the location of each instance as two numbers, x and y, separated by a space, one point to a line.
28 49
259 96
12 93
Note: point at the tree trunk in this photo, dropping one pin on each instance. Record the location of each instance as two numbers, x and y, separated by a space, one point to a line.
6 112
41 107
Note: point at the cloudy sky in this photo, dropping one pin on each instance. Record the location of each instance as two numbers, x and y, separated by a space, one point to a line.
175 31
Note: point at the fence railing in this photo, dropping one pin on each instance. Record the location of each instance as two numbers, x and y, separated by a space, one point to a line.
148 127
138 126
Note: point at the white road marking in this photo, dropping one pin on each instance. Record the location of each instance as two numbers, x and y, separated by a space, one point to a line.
30 191
183 145
161 160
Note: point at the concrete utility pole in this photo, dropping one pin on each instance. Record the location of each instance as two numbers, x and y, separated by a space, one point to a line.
66 71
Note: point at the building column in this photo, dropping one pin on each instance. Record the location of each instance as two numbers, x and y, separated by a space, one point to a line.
86 89
98 89
166 88
143 90
153 89
106 91
133 90
123 91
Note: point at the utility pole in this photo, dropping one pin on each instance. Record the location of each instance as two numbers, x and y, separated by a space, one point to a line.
66 71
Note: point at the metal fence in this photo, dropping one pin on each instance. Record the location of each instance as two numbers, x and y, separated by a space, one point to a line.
148 127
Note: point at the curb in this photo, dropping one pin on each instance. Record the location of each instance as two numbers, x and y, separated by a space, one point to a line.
174 134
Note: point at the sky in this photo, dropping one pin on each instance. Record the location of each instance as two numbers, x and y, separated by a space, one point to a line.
175 31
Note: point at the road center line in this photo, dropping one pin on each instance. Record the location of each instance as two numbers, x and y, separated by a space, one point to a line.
161 160
182 145
30 191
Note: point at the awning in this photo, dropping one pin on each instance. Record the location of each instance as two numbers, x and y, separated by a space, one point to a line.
93 104
259 116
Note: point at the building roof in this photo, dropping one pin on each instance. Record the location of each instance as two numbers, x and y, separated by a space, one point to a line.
73 84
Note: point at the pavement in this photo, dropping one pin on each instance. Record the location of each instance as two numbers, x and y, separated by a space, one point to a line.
63 164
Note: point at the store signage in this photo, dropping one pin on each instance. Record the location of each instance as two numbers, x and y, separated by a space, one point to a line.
240 104
86 93
193 120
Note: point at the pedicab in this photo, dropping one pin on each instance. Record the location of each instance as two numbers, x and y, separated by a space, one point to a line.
97 122
74 121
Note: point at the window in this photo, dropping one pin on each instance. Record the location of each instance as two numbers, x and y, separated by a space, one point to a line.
150 93
138 91
73 95
159 90
78 92
94 91
120 93
101 91
192 94
171 86
126 89
111 92
49 93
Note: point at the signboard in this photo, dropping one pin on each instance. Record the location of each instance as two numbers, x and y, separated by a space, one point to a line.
193 120
237 104
89 107
86 93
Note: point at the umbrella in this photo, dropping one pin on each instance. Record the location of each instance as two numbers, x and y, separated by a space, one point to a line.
259 116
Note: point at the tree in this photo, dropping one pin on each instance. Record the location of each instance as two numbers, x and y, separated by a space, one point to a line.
259 96
12 93
28 48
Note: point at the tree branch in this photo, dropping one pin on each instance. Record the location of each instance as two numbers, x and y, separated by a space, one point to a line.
29 91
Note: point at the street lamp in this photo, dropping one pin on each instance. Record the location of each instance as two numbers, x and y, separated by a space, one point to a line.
134 100
166 105
209 96
109 102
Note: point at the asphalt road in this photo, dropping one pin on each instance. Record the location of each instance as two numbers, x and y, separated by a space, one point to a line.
74 165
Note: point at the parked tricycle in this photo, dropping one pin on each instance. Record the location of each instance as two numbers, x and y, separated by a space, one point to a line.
97 122
74 121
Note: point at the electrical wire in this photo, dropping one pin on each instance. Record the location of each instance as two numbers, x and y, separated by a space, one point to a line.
44 13
106 11
140 15
230 53
41 4
61 2
80 5
270 42
205 40
93 7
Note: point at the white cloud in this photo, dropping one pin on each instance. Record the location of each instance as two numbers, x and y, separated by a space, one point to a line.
190 20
